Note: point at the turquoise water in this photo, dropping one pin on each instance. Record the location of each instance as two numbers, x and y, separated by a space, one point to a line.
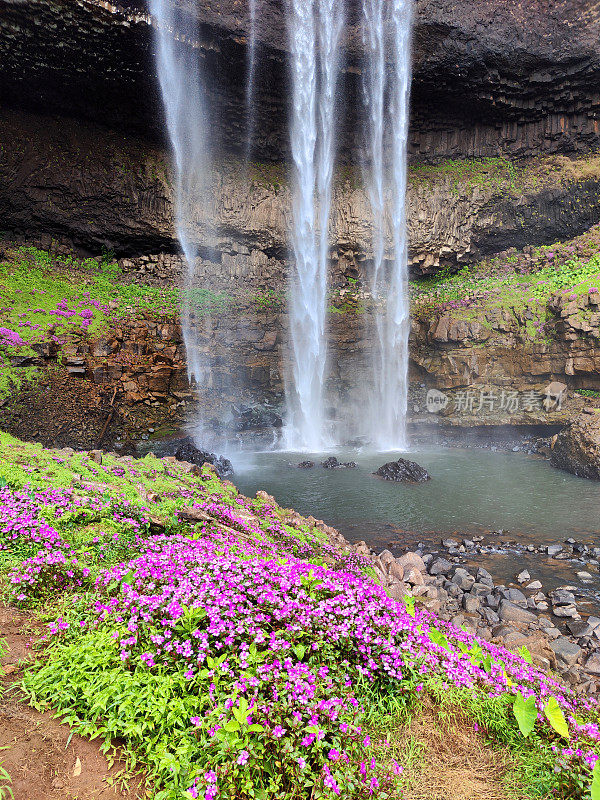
470 491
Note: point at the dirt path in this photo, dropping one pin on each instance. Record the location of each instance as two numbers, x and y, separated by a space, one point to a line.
44 758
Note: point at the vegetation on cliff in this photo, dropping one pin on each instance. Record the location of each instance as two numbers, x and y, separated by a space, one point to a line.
522 283
47 301
241 652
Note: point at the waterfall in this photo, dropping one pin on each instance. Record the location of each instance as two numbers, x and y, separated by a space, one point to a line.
251 79
185 106
386 86
315 29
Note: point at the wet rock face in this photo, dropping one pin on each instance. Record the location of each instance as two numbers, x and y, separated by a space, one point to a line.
403 471
577 448
490 77
85 185
188 451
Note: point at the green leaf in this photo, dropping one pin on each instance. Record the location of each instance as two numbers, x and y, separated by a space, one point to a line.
299 650
525 654
231 726
525 713
556 718
128 579
596 781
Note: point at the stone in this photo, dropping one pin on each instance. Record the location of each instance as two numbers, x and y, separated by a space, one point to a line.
440 567
483 576
412 560
403 471
449 543
413 576
509 612
333 463
577 448
395 570
492 601
534 585
386 556
567 652
579 629
514 639
479 590
471 604
306 465
523 577
592 664
187 451
554 549
463 579
398 591
554 395
566 612
490 616
562 597
585 576
517 597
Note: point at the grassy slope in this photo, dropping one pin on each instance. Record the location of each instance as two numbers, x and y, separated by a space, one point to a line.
61 298
121 506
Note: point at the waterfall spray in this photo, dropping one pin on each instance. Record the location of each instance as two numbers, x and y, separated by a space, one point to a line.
387 28
185 110
315 28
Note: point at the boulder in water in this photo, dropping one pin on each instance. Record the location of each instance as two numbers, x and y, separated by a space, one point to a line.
403 471
306 465
187 451
333 463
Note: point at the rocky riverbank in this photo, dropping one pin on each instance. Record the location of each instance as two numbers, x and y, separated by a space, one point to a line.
548 625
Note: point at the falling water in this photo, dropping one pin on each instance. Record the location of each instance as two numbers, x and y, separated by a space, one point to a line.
315 28
185 110
387 28
251 79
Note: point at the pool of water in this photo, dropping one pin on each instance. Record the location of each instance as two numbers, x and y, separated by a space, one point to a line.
471 492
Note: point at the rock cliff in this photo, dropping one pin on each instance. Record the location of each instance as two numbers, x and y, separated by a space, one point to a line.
490 78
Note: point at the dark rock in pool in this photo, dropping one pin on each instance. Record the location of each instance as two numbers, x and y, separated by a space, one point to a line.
403 471
333 463
188 451
306 465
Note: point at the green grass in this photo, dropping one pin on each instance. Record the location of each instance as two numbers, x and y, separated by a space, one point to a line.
34 285
510 284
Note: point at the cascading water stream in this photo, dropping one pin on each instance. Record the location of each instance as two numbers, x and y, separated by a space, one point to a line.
315 29
387 28
186 117
251 79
